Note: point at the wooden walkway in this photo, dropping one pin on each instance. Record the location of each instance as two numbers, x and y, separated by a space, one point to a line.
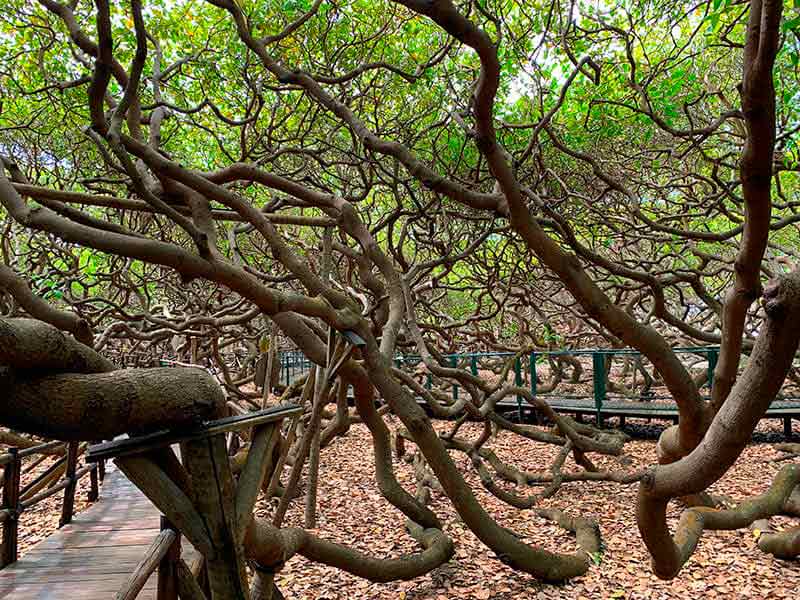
92 557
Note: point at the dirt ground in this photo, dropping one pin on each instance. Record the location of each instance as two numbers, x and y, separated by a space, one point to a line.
352 511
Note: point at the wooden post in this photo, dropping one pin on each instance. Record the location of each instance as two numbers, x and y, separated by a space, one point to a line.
212 482
312 482
272 356
95 477
167 586
68 505
263 586
188 586
251 479
11 504
399 445
321 388
94 490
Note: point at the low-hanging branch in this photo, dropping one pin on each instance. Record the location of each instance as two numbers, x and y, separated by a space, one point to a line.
56 387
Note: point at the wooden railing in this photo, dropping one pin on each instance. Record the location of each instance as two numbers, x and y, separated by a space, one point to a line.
199 494
63 474
164 555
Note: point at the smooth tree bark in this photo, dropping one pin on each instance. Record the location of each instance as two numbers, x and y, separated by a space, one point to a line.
392 273
755 167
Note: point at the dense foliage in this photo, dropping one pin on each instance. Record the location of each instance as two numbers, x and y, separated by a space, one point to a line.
436 176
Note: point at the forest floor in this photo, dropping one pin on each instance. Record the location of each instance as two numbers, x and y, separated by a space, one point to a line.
352 511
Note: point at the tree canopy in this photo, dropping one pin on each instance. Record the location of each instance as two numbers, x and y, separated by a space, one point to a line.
435 176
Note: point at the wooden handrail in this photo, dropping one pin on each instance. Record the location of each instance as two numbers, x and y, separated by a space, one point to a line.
54 489
23 452
16 500
52 474
145 443
25 504
147 566
12 473
40 448
44 478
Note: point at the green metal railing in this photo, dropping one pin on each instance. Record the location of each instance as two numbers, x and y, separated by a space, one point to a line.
295 364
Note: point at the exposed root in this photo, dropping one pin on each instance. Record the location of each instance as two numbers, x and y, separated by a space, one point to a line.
788 452
781 544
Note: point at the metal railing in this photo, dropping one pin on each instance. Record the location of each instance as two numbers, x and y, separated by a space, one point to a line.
592 392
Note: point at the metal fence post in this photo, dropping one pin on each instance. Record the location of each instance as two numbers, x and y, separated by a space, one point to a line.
599 377
713 356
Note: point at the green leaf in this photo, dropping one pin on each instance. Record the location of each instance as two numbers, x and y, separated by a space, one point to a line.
790 24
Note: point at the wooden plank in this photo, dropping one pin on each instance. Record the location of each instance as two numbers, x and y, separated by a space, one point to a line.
92 557
148 565
56 591
168 497
91 538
